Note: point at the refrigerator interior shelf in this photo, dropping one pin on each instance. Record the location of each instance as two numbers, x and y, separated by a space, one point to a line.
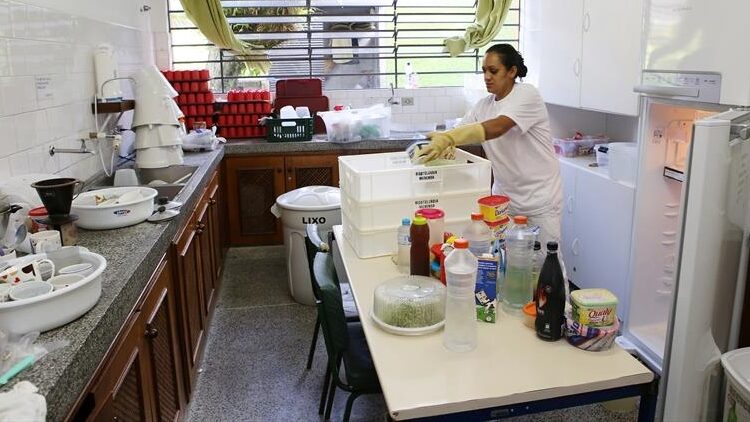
674 173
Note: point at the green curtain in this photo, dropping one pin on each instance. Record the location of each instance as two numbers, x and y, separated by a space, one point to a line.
489 19
208 16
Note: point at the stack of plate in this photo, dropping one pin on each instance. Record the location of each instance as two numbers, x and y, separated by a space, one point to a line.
158 133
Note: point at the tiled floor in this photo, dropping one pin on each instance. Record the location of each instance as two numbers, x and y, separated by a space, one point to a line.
254 365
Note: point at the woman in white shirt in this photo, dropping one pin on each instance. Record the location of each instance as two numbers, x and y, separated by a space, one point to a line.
513 126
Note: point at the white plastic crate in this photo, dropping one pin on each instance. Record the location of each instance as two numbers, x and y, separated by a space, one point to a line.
390 176
376 215
382 242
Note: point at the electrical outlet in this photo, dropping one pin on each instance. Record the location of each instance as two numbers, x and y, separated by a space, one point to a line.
407 101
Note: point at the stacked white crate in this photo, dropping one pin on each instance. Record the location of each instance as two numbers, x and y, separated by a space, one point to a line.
378 190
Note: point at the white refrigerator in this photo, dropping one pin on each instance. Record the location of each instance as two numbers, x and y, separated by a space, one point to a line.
690 220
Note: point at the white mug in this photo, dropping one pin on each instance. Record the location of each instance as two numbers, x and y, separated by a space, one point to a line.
46 241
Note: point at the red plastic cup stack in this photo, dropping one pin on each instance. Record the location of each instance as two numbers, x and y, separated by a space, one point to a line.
196 99
240 115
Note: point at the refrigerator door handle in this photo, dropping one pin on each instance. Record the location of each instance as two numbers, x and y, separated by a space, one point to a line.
668 91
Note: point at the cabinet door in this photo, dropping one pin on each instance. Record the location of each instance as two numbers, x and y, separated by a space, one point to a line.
189 283
568 235
311 170
161 340
213 227
603 224
205 257
611 55
560 72
253 183
123 392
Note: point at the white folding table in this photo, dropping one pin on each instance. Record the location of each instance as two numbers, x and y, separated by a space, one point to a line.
511 372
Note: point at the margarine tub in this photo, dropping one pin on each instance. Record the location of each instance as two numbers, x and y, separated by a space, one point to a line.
594 307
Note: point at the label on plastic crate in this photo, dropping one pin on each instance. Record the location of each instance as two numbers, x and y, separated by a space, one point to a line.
427 176
427 203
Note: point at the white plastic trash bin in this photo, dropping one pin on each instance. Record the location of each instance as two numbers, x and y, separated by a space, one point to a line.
319 205
737 397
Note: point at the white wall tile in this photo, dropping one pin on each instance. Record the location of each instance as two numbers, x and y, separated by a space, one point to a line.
26 134
17 52
6 27
425 104
8 138
5 69
18 19
35 23
5 168
18 163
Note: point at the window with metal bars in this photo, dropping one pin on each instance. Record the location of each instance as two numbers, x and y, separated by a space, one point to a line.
348 44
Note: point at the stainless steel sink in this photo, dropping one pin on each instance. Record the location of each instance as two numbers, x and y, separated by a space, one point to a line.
169 175
161 179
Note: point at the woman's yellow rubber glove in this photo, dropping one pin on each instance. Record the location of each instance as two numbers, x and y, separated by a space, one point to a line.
441 142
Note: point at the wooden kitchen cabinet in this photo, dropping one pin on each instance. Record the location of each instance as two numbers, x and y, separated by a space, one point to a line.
252 185
311 170
254 182
215 227
142 377
190 287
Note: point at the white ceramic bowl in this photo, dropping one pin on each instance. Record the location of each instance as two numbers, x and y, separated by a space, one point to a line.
151 79
82 269
116 215
159 157
153 109
29 290
62 281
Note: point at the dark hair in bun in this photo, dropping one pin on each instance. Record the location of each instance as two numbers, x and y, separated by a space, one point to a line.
509 57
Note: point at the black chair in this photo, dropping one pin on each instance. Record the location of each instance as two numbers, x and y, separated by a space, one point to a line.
313 245
345 342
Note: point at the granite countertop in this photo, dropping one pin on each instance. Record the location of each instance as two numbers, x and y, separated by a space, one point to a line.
132 254
318 144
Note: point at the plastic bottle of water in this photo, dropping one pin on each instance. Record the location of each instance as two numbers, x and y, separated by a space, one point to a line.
404 245
499 252
412 80
536 265
479 235
519 241
460 333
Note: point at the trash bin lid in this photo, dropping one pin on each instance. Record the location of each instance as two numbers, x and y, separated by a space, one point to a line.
311 198
737 364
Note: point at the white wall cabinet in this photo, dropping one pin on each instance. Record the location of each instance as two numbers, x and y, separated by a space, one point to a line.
592 53
597 228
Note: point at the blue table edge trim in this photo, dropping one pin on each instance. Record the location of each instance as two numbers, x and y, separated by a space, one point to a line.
648 393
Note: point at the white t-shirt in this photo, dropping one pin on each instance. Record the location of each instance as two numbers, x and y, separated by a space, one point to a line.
523 159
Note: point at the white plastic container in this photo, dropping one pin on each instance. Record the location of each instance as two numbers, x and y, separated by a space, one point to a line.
379 242
373 215
57 308
737 397
391 176
623 161
105 68
105 217
602 155
478 235
308 205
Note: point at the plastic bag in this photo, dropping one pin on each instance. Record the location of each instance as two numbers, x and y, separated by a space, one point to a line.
18 353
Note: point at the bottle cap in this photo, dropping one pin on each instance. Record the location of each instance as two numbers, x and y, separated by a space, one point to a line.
419 220
551 246
520 219
477 216
537 245
405 221
430 213
461 243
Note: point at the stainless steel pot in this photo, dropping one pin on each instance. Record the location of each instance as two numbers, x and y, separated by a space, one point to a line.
5 217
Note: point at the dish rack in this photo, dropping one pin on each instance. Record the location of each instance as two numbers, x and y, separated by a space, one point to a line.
57 308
